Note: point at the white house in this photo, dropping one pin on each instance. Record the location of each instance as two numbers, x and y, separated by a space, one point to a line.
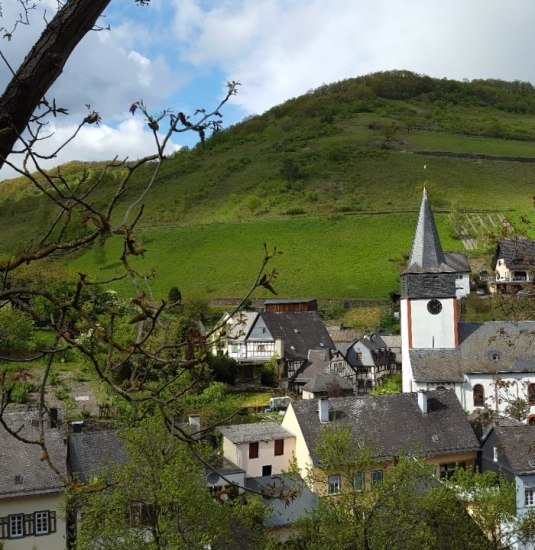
31 494
514 267
261 449
487 364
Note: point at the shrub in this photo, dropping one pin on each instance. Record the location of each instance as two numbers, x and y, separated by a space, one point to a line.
21 391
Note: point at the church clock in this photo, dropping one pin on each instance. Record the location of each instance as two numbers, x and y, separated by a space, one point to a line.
434 306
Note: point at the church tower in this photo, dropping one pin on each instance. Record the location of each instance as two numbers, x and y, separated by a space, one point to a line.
428 304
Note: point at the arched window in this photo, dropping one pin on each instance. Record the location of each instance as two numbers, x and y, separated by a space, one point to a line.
479 396
531 394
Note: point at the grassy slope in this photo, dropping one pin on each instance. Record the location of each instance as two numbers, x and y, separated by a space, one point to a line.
320 155
344 256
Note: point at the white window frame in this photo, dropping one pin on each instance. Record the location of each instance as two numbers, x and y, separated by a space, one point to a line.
41 522
335 484
16 526
529 496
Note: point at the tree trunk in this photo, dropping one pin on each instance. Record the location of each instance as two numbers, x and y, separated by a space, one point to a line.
42 66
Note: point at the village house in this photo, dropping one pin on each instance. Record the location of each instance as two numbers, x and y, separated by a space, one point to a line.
260 449
31 493
428 425
510 450
256 337
364 362
514 267
486 364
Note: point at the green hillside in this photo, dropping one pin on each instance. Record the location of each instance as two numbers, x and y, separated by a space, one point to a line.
306 175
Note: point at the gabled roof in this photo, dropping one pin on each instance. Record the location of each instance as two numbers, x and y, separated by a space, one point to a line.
393 423
517 254
95 453
518 444
25 460
316 363
258 431
491 347
325 381
427 255
238 327
458 262
300 332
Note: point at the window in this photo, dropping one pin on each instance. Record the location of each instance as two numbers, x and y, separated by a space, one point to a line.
447 470
334 484
531 394
358 482
279 447
360 387
253 449
41 523
479 396
495 454
261 348
16 526
369 386
266 470
358 356
529 497
377 476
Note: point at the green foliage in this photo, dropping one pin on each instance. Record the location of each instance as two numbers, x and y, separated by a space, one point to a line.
21 391
164 476
270 372
391 384
15 329
389 323
224 368
174 295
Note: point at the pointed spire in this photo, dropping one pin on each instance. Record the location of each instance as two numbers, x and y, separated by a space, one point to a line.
427 255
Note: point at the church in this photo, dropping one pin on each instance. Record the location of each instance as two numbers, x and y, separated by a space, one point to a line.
488 365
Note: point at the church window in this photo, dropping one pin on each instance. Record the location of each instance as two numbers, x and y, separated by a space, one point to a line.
479 396
531 394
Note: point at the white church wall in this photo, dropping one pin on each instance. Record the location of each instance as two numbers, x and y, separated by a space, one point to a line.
434 331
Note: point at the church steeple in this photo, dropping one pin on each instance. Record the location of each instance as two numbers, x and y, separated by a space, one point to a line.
427 255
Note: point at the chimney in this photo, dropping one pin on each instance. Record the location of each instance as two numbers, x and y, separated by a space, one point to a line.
422 401
53 415
77 426
194 421
323 409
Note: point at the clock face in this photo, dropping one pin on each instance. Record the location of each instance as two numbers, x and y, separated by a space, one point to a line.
434 306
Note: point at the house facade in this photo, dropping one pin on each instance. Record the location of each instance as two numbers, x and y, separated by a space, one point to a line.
514 267
510 450
431 426
364 363
486 364
260 449
31 494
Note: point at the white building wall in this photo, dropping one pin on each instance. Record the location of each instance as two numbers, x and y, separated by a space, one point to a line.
462 286
497 396
302 454
29 505
406 370
433 331
239 455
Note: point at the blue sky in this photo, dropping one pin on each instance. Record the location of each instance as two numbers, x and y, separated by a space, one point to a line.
178 54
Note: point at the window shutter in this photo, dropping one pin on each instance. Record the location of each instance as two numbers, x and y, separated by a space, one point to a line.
52 519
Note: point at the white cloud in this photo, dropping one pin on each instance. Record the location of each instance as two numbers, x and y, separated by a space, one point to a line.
282 48
130 139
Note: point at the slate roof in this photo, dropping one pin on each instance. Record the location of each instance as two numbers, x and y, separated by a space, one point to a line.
323 382
518 444
458 261
284 513
258 431
517 254
300 332
22 459
427 255
393 423
317 363
491 347
239 326
94 453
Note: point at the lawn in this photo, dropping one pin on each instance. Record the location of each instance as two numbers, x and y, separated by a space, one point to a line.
331 257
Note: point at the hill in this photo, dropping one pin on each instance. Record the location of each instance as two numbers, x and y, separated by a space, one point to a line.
307 175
